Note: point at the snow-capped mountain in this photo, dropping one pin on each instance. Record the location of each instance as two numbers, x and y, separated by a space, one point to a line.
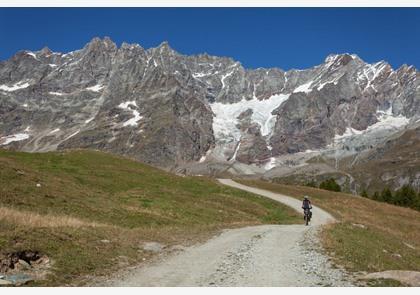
205 114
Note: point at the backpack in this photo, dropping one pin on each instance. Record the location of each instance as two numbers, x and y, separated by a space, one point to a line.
306 204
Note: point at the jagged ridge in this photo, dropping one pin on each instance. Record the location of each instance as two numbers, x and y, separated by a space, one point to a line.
173 110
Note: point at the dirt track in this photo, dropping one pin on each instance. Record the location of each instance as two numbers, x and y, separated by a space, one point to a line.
266 255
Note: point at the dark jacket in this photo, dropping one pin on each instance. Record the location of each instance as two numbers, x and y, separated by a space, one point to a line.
306 204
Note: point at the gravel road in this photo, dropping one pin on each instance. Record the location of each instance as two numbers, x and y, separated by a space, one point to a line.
266 255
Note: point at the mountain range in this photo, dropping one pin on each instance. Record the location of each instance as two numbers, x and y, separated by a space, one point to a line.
207 115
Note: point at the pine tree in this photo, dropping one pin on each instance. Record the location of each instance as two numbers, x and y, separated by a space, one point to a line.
331 185
406 196
364 194
386 195
376 196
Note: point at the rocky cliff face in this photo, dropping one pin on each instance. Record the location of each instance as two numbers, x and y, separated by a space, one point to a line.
127 100
196 113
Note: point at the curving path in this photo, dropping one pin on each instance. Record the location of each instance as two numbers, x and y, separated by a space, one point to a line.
320 216
266 255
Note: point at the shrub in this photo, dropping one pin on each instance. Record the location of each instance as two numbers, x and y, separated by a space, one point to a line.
364 194
406 196
376 196
330 185
386 195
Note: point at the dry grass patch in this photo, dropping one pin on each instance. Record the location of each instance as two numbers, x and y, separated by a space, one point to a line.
31 219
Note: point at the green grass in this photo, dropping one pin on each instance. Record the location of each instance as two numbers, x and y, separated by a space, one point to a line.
369 234
369 250
129 203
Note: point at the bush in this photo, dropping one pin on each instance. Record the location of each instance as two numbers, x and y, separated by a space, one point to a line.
364 194
330 185
377 197
386 195
406 196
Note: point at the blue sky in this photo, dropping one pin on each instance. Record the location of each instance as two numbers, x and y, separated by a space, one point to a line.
257 37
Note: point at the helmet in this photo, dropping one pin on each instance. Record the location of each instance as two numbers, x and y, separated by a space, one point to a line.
305 197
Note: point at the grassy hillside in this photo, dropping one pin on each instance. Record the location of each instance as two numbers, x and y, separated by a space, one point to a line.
371 236
90 212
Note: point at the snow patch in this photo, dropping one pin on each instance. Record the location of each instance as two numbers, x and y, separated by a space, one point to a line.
71 135
15 137
333 81
56 93
236 151
331 58
370 73
52 65
201 74
89 120
25 105
133 121
224 77
304 87
203 158
54 131
124 105
96 88
347 133
386 122
31 54
225 120
270 164
16 86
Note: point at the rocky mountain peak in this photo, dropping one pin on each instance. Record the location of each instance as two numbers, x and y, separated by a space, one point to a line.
339 60
407 69
132 46
169 109
45 51
98 44
164 44
165 49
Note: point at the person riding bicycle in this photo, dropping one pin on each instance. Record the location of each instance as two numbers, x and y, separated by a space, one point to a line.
306 204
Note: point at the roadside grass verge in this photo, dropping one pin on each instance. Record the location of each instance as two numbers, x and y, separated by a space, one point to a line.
371 236
91 212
